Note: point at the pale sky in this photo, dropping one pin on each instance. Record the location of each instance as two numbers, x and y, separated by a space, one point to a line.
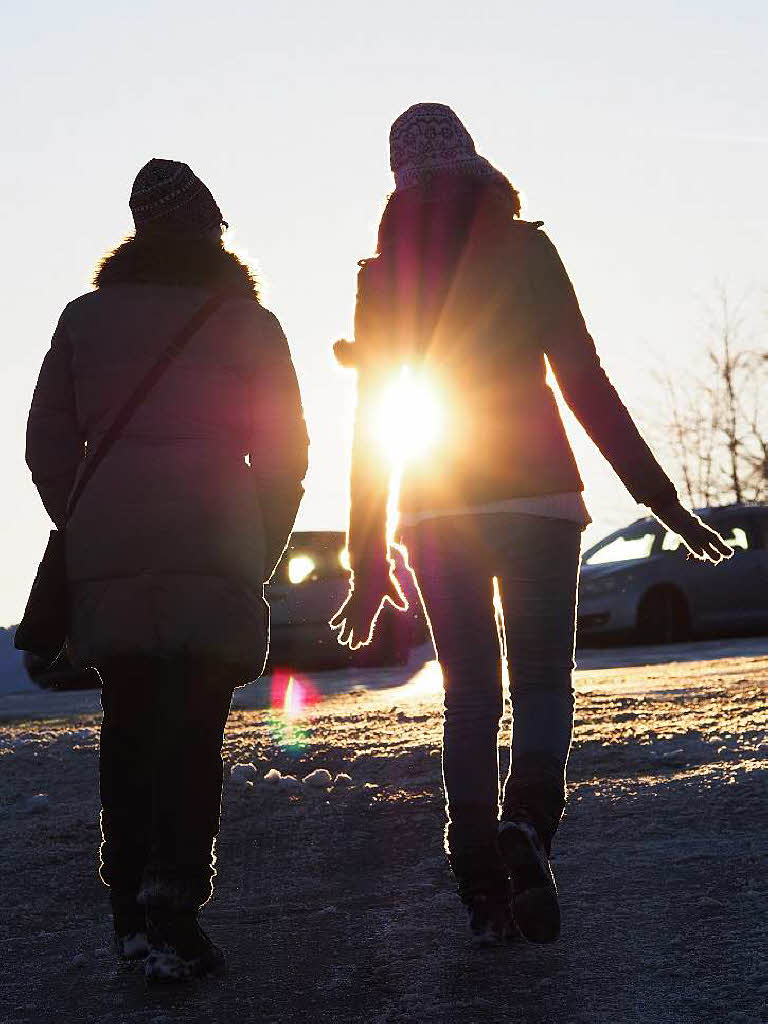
637 132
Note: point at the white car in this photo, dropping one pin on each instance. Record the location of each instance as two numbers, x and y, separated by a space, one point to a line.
638 582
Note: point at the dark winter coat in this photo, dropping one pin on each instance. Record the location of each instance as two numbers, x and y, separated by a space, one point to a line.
174 535
482 339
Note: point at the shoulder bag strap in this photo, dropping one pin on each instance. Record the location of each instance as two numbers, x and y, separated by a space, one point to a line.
142 389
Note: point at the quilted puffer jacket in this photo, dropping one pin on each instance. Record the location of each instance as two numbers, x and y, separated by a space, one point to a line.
170 544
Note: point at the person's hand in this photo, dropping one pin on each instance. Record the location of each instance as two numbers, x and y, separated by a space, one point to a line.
356 618
701 540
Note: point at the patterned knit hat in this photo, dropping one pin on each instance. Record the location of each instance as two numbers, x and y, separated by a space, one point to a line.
168 195
429 138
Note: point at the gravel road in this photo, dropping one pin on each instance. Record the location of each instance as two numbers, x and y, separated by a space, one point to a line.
335 904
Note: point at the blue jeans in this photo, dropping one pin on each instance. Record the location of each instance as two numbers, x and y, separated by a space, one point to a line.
536 563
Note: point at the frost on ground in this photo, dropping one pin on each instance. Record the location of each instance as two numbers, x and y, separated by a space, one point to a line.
334 903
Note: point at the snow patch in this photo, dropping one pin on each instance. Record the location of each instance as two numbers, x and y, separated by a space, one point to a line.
243 774
320 778
38 803
79 736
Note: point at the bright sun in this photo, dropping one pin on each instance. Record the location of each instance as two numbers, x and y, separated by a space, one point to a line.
409 418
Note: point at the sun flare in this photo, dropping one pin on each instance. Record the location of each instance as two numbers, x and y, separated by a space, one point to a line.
410 418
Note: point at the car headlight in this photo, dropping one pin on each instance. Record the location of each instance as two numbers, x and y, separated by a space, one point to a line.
300 567
596 588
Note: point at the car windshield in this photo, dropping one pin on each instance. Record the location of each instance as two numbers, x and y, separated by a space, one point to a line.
627 546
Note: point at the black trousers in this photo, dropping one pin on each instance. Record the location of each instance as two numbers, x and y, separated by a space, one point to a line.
160 775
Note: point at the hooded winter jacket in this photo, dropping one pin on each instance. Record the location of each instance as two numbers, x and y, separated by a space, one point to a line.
173 537
482 337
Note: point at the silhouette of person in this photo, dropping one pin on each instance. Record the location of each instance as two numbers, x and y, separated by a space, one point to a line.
171 541
470 300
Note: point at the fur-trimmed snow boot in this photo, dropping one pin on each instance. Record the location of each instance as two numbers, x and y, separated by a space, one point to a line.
489 911
485 891
130 929
179 949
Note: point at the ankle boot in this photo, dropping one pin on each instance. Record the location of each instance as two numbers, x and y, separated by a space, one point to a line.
130 927
179 949
535 903
482 882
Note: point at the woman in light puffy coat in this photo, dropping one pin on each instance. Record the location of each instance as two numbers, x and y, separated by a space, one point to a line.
170 544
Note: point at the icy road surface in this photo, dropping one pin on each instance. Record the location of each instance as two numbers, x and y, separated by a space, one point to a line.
334 904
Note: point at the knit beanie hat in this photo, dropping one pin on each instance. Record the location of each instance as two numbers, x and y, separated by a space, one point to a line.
168 195
429 138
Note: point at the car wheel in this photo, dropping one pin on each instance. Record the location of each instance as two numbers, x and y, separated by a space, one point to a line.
663 617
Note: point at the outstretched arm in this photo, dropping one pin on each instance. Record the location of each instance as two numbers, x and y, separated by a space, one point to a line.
595 402
54 447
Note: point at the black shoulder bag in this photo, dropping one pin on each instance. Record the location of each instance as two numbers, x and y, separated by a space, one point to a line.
43 629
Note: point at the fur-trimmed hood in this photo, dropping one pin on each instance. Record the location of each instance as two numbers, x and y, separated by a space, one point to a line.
176 261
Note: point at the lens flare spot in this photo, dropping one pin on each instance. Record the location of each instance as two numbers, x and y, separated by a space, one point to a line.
293 702
291 699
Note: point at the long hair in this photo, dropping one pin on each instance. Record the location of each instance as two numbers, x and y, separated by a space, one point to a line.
441 211
162 258
422 235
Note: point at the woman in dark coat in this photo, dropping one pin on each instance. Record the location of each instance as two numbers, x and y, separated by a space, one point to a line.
471 300
170 544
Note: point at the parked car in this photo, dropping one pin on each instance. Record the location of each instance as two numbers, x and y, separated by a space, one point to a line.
638 583
309 585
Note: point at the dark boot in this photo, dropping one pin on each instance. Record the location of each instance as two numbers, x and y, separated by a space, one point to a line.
533 805
535 904
130 927
481 878
488 900
179 949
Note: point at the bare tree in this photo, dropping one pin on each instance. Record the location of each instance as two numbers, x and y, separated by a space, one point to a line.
716 424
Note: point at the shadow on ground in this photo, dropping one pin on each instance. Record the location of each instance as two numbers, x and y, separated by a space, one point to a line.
336 905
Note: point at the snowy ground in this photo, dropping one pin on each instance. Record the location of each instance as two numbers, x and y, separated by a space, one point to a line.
335 905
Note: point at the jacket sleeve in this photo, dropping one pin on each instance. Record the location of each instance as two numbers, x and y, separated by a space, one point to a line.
280 443
368 485
370 471
584 383
54 446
